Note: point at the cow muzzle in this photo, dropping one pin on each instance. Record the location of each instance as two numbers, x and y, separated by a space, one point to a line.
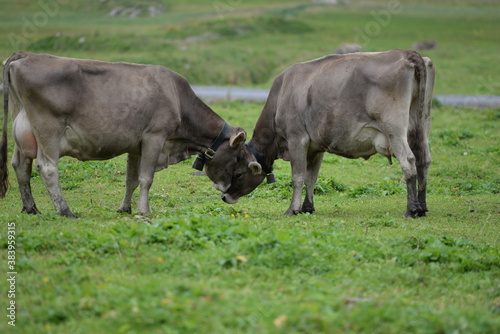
229 199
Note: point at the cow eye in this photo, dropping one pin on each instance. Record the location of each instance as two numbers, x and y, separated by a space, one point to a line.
238 175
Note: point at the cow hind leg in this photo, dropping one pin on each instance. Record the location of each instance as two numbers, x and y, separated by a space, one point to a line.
23 167
407 160
132 182
423 163
313 165
47 165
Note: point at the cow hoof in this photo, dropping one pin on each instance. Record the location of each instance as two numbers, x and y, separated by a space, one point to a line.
31 211
411 214
416 213
290 212
422 213
307 210
67 213
125 210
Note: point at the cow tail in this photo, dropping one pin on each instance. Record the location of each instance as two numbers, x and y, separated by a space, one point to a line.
4 174
421 78
418 112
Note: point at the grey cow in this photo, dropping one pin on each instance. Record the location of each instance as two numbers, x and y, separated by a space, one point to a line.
92 110
353 105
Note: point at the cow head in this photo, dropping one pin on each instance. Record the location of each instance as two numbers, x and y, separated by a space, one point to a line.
244 183
234 169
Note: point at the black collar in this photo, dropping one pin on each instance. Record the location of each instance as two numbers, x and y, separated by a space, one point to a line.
266 168
199 162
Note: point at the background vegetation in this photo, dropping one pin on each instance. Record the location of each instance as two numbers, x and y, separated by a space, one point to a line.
238 42
197 265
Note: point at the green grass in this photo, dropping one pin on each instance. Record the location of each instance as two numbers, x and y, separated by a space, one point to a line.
197 265
203 266
248 43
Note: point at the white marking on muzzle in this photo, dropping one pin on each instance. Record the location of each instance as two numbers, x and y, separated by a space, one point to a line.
220 187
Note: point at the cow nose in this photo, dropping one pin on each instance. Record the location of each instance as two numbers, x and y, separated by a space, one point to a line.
228 199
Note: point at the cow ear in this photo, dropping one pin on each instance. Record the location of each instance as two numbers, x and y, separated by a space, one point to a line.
255 167
238 139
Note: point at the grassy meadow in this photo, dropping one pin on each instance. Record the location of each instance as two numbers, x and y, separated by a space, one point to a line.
198 265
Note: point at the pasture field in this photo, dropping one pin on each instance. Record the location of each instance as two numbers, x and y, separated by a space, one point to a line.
198 265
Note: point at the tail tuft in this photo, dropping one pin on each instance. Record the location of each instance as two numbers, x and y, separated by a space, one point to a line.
4 174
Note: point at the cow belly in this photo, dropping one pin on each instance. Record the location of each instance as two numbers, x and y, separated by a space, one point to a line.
92 145
367 142
23 135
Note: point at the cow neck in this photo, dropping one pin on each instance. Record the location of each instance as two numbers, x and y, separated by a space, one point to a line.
208 154
264 137
206 129
266 167
267 151
264 140
263 144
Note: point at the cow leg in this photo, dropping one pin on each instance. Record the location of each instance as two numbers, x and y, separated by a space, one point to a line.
23 167
47 165
298 160
132 182
150 151
406 158
423 164
313 164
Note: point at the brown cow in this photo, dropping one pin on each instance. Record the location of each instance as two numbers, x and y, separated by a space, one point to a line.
353 105
92 110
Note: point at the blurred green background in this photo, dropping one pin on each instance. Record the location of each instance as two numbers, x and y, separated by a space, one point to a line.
248 43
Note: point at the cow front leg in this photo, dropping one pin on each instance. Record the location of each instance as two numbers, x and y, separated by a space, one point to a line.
298 160
297 185
132 182
47 166
149 156
313 164
23 167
